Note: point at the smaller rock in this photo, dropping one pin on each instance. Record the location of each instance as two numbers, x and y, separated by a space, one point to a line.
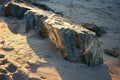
4 77
3 71
114 53
91 26
2 56
11 68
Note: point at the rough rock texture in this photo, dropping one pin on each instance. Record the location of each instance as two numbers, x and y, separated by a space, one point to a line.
30 24
39 5
15 10
76 43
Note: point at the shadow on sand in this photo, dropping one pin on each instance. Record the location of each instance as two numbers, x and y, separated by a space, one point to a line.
55 67
67 70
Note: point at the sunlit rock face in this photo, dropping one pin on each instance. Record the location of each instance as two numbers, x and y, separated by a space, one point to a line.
34 3
76 43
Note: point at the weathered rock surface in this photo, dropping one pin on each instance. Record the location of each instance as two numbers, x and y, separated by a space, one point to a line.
39 5
76 43
31 23
15 10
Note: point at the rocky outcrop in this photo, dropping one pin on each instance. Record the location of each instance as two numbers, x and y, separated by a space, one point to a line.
76 43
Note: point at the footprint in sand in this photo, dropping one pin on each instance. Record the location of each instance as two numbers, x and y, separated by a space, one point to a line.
2 42
8 49
5 77
11 68
2 56
4 61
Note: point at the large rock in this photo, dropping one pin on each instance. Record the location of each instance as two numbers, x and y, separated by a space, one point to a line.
14 10
76 43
